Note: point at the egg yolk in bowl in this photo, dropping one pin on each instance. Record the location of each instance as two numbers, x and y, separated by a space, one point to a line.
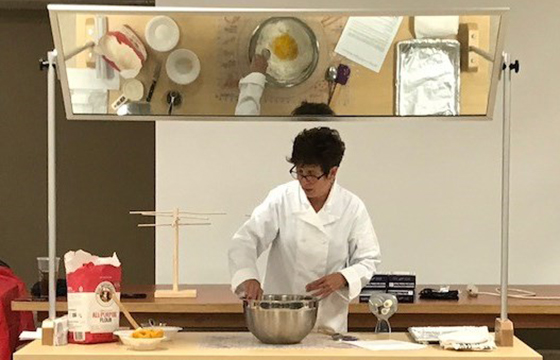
285 47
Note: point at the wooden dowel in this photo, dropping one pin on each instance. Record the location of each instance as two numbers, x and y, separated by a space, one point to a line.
142 212
137 212
164 215
150 213
180 224
193 217
183 224
201 213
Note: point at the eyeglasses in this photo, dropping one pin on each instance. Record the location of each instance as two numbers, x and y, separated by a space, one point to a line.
309 178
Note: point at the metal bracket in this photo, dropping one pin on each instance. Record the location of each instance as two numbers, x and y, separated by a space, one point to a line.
512 66
44 64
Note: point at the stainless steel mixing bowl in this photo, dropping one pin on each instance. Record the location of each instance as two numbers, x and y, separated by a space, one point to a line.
281 319
308 71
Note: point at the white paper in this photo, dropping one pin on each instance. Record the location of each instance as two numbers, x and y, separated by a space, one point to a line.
436 26
89 101
377 345
367 39
31 335
86 79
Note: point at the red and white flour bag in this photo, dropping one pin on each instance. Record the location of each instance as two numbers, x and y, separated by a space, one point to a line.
123 50
92 281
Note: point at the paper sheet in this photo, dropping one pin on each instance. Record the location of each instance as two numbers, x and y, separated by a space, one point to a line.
31 335
89 101
86 79
377 345
367 39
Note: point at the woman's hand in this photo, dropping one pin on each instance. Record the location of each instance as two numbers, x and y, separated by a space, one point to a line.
326 285
252 289
260 62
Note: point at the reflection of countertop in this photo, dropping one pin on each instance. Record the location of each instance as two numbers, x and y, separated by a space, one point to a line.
217 308
195 346
221 43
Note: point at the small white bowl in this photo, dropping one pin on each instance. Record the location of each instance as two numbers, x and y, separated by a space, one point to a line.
182 66
138 344
162 33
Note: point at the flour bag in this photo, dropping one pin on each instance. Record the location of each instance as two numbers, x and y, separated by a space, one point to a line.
92 282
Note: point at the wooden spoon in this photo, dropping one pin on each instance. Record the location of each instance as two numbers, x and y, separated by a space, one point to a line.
124 311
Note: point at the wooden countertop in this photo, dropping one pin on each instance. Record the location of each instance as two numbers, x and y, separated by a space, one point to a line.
219 299
194 346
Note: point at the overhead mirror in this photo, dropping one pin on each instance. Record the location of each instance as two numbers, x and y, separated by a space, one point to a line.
150 63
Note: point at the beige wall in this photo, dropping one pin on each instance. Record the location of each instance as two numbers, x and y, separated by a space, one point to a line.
432 187
104 170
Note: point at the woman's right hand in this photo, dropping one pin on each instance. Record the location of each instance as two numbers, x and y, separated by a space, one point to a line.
252 289
260 63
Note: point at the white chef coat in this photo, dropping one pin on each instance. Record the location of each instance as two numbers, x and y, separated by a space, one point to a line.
251 88
306 245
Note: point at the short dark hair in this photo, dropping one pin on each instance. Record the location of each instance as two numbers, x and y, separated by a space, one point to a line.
309 108
318 146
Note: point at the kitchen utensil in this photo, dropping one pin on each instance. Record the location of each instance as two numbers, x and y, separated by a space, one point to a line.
132 90
153 323
155 77
342 74
162 33
134 295
174 98
129 317
305 73
182 66
266 53
383 306
281 319
330 76
342 337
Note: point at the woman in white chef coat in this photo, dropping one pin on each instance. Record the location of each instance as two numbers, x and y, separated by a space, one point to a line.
320 235
251 88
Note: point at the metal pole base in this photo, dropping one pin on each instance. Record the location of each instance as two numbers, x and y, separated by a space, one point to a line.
503 330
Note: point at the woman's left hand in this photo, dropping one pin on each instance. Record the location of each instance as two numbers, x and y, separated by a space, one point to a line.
326 285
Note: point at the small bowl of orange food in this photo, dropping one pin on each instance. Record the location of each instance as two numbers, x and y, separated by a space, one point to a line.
142 338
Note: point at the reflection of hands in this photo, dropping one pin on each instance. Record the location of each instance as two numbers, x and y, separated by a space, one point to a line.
260 62
252 289
326 285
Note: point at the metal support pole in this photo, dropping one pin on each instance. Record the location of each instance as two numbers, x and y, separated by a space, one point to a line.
51 180
504 327
506 72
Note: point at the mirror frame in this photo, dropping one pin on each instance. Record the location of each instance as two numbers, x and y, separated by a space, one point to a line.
56 9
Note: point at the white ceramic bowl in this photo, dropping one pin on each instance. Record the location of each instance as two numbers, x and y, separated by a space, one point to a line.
162 33
182 66
138 344
169 332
